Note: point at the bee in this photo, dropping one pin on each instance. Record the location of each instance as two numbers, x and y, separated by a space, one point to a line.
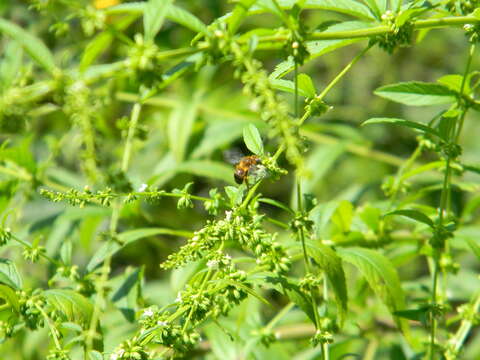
244 166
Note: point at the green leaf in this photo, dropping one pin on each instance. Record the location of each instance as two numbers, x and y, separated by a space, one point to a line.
403 122
218 134
287 86
320 162
343 216
416 93
32 45
180 125
127 296
174 13
9 295
277 204
382 277
10 64
473 246
252 139
414 215
305 83
239 13
331 264
374 8
347 7
296 296
185 18
420 314
454 82
235 194
9 274
72 305
101 42
153 17
111 247
476 13
207 168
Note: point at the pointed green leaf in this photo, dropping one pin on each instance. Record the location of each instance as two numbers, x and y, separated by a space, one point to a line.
414 215
343 216
153 17
305 83
111 247
239 13
347 7
72 305
9 295
207 168
252 139
403 122
473 246
102 42
174 13
32 45
185 18
288 86
382 277
180 126
331 264
9 274
417 93
10 64
374 7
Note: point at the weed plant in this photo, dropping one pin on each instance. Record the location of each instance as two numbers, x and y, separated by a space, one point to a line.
123 233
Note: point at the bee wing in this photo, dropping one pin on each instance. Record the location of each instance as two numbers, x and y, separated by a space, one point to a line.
233 156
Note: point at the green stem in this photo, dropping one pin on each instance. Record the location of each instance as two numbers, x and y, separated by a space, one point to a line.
433 322
306 260
52 328
295 82
459 338
343 72
131 133
462 89
377 30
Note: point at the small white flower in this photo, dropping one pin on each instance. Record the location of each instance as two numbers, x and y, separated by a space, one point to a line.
142 187
162 323
179 297
228 215
212 264
117 354
148 312
228 257
467 27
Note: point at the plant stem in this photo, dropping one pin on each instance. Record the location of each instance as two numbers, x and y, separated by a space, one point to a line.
433 322
307 263
462 88
52 328
343 72
458 339
295 82
377 30
131 133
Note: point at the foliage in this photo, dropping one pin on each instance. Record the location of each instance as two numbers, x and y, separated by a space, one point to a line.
124 236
